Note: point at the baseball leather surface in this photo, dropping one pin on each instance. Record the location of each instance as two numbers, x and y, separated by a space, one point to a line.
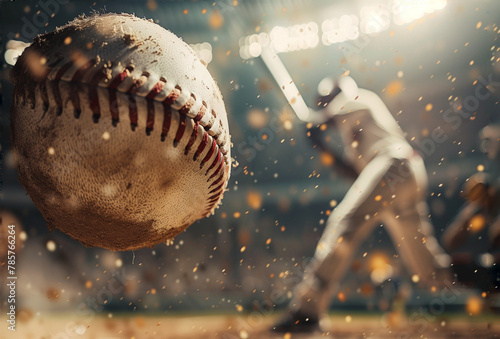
119 132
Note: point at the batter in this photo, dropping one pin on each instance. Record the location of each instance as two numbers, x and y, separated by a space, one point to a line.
390 189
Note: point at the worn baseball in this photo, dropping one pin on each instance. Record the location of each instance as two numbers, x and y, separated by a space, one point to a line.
119 132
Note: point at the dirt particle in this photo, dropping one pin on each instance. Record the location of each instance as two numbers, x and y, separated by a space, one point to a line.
129 39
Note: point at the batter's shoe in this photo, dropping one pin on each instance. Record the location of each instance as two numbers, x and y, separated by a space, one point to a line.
297 322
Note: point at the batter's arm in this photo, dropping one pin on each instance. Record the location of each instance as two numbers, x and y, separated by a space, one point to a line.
341 166
303 112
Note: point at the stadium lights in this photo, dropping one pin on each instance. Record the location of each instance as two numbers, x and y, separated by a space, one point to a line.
339 30
373 19
406 11
14 49
203 51
280 39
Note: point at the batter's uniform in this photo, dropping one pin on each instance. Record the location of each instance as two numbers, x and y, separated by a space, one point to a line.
390 189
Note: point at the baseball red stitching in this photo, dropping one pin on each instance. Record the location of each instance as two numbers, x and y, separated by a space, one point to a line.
76 81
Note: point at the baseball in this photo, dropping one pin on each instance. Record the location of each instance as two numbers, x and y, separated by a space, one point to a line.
119 132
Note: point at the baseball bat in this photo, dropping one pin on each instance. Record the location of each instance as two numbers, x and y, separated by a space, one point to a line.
286 84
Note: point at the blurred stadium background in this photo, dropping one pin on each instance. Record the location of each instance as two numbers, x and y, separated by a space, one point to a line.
422 57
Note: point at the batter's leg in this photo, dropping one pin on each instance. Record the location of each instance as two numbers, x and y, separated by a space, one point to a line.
413 235
347 227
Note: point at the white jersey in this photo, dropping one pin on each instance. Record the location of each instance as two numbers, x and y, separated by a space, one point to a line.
366 126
